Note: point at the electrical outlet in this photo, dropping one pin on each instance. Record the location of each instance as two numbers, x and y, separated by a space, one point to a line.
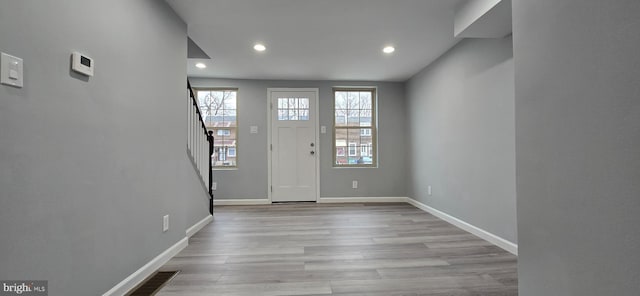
214 185
165 223
429 190
354 184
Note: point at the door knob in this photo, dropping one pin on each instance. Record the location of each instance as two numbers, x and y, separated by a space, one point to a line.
313 152
312 144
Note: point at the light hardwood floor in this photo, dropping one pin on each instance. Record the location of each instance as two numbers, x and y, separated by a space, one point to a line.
338 249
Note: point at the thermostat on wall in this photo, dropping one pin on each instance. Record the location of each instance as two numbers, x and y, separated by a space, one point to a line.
82 64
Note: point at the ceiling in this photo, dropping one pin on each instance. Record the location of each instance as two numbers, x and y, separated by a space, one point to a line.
317 39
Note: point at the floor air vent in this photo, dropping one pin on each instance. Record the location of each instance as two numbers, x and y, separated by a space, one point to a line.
153 284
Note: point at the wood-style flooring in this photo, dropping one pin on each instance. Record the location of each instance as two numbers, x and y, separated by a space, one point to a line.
338 249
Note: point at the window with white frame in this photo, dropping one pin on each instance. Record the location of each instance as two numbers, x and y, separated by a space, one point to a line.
354 127
222 154
352 149
220 113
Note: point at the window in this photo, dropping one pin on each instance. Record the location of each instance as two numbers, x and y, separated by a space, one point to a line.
293 109
219 111
222 154
354 127
352 149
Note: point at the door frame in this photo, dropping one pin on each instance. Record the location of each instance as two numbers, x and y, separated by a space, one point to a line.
269 134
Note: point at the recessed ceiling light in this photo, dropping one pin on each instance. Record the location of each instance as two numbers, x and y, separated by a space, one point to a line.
201 65
259 47
388 49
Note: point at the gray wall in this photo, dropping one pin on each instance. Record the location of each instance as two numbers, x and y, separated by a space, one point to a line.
577 72
89 167
249 181
460 112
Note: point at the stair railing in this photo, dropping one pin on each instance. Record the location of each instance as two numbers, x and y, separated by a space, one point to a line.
200 145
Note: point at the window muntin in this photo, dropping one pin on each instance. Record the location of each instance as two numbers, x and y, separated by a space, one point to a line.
220 113
354 131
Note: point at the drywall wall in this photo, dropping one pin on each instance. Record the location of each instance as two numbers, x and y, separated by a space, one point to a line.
88 167
577 146
460 115
249 181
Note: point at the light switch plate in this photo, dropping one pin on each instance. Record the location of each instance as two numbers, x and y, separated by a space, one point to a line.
323 129
253 129
11 68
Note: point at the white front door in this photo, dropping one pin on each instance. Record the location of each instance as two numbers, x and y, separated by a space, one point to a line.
294 152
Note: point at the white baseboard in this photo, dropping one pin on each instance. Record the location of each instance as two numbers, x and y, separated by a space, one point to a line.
488 236
196 227
240 202
145 271
361 199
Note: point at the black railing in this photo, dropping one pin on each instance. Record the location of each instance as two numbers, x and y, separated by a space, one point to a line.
200 145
